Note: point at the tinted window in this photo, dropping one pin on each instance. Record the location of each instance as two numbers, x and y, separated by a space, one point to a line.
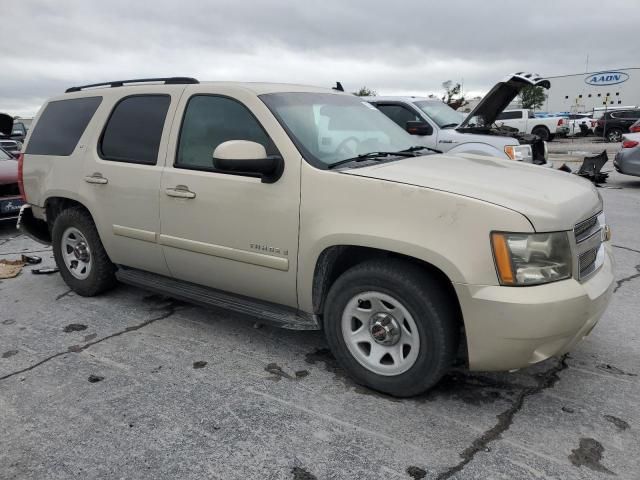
4 155
61 125
134 129
509 116
399 114
211 120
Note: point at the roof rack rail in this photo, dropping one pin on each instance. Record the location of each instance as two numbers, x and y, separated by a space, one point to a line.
120 83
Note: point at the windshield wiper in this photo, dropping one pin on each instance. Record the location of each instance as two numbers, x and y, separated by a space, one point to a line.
372 156
450 125
420 147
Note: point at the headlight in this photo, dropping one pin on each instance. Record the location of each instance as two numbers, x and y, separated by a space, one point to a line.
521 153
531 259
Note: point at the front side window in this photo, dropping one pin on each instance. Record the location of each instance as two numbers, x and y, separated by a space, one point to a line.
210 120
399 114
328 128
61 125
134 129
441 113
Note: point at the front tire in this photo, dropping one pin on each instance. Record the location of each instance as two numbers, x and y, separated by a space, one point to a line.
542 133
79 254
392 326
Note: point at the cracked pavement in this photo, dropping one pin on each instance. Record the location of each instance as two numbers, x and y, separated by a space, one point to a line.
135 385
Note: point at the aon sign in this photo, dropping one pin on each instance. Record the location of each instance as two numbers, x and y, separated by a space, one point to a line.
606 78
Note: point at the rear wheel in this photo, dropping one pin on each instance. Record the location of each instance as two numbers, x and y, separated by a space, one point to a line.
543 133
391 326
614 135
79 254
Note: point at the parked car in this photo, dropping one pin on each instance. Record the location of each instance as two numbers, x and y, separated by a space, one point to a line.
525 121
20 128
438 126
580 124
310 209
10 201
635 128
627 160
613 124
11 146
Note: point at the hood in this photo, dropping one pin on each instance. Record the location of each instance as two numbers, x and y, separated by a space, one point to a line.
501 95
6 124
550 199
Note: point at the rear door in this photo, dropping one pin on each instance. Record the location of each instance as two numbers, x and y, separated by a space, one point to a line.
122 171
230 232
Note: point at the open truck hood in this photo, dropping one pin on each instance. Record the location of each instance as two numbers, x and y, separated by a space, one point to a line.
551 200
501 95
6 124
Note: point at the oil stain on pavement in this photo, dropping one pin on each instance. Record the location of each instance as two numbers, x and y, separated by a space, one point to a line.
618 422
589 454
74 327
300 473
9 353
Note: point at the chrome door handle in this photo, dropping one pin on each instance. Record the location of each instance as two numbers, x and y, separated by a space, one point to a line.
96 178
180 191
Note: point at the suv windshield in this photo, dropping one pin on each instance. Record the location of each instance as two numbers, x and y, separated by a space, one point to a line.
441 113
329 128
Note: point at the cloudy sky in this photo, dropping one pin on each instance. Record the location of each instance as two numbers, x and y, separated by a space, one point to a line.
393 47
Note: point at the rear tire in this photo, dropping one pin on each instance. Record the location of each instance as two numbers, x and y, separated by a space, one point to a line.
543 133
83 262
614 135
420 317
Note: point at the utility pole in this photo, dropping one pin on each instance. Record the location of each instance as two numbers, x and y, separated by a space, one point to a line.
586 67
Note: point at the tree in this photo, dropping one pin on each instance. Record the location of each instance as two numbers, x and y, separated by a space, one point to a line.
451 92
365 92
532 97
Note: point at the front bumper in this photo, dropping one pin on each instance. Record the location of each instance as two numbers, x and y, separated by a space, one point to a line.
514 327
10 207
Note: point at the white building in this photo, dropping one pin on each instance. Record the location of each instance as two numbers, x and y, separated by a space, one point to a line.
582 92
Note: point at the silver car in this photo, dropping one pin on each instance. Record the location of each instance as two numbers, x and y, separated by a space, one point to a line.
627 160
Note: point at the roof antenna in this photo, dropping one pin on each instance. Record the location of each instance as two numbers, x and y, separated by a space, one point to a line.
338 87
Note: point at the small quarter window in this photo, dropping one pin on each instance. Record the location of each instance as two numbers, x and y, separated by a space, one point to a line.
134 129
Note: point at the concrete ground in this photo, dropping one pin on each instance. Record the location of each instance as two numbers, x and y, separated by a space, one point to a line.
133 385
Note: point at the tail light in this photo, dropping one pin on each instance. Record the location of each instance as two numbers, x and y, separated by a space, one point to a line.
20 179
560 122
600 122
630 144
634 129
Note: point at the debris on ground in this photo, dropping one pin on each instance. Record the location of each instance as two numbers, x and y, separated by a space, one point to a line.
95 378
74 327
31 259
199 364
45 270
10 268
591 168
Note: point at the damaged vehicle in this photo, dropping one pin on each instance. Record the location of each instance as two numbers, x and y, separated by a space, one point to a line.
438 126
307 208
10 199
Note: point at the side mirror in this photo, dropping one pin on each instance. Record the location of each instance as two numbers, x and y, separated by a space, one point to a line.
417 127
242 157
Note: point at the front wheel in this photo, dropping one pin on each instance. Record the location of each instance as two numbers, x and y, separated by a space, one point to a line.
392 326
79 254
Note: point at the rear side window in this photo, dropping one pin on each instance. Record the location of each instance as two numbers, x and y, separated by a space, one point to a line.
134 129
61 125
509 116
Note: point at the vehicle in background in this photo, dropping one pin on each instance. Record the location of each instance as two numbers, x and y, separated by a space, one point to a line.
612 125
627 160
10 200
12 146
635 128
580 124
438 126
525 121
20 128
598 112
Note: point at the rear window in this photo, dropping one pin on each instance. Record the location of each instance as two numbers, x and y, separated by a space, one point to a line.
134 129
61 125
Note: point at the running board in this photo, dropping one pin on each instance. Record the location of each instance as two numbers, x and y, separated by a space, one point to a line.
266 312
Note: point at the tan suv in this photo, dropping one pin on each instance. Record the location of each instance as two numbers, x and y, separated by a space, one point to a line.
310 209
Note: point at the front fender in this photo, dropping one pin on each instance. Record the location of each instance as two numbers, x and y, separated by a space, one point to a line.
480 148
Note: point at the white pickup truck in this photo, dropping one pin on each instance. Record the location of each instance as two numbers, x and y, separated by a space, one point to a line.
526 122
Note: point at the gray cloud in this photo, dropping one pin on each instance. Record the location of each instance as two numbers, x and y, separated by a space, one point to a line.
394 47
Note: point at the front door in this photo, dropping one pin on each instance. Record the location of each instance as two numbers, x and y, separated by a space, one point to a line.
229 232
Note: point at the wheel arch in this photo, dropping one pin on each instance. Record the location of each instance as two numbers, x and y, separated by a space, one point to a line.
333 261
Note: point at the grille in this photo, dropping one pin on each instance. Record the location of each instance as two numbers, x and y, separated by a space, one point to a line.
587 261
588 235
584 228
